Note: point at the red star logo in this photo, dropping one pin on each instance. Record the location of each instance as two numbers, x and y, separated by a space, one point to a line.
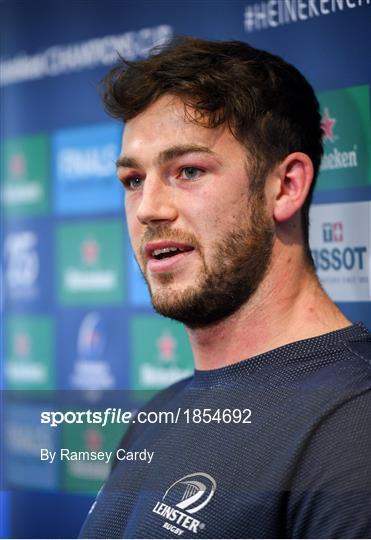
327 125
166 345
17 165
93 439
22 345
90 251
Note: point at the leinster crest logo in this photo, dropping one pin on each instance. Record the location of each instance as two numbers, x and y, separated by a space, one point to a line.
183 499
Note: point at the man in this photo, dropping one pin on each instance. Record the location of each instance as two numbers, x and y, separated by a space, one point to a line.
221 147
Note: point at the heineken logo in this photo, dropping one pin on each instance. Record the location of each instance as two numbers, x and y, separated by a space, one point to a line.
26 179
335 159
346 138
29 353
79 279
89 270
164 357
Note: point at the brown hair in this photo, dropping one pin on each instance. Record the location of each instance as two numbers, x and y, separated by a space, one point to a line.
267 103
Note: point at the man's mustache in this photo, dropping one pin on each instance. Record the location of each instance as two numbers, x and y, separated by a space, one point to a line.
164 232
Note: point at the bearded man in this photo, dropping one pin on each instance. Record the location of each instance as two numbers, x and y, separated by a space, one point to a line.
221 149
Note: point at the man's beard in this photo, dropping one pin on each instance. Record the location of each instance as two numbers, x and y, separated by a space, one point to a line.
239 264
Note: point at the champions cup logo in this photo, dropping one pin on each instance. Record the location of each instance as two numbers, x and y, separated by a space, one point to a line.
186 496
91 337
92 370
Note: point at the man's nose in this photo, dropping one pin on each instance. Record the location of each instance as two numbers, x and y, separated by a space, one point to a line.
157 202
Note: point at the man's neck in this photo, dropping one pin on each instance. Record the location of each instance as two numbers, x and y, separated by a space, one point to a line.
289 306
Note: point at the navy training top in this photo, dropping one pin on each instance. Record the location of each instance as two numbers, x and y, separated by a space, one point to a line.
299 469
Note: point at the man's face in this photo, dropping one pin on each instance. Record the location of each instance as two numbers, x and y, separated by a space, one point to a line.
202 240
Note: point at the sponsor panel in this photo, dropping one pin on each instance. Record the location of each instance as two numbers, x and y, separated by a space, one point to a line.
92 349
78 472
25 175
163 357
24 437
84 169
347 138
90 262
340 242
28 265
29 353
138 289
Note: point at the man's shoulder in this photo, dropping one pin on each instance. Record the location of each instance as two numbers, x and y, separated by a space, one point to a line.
360 347
344 353
350 357
337 366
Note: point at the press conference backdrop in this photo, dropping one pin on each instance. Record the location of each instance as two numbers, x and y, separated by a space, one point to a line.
75 310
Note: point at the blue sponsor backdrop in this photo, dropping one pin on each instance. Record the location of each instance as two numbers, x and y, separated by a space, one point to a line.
53 56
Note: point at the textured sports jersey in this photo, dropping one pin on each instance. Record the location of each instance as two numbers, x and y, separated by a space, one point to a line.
293 463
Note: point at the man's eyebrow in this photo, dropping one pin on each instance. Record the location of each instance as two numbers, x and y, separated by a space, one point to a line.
166 155
127 162
180 150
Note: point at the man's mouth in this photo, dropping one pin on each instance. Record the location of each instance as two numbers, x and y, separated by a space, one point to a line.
164 256
164 250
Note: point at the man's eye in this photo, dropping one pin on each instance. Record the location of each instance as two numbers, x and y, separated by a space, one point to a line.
133 183
191 173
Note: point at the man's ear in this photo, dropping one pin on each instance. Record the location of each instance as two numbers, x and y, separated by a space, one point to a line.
295 176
